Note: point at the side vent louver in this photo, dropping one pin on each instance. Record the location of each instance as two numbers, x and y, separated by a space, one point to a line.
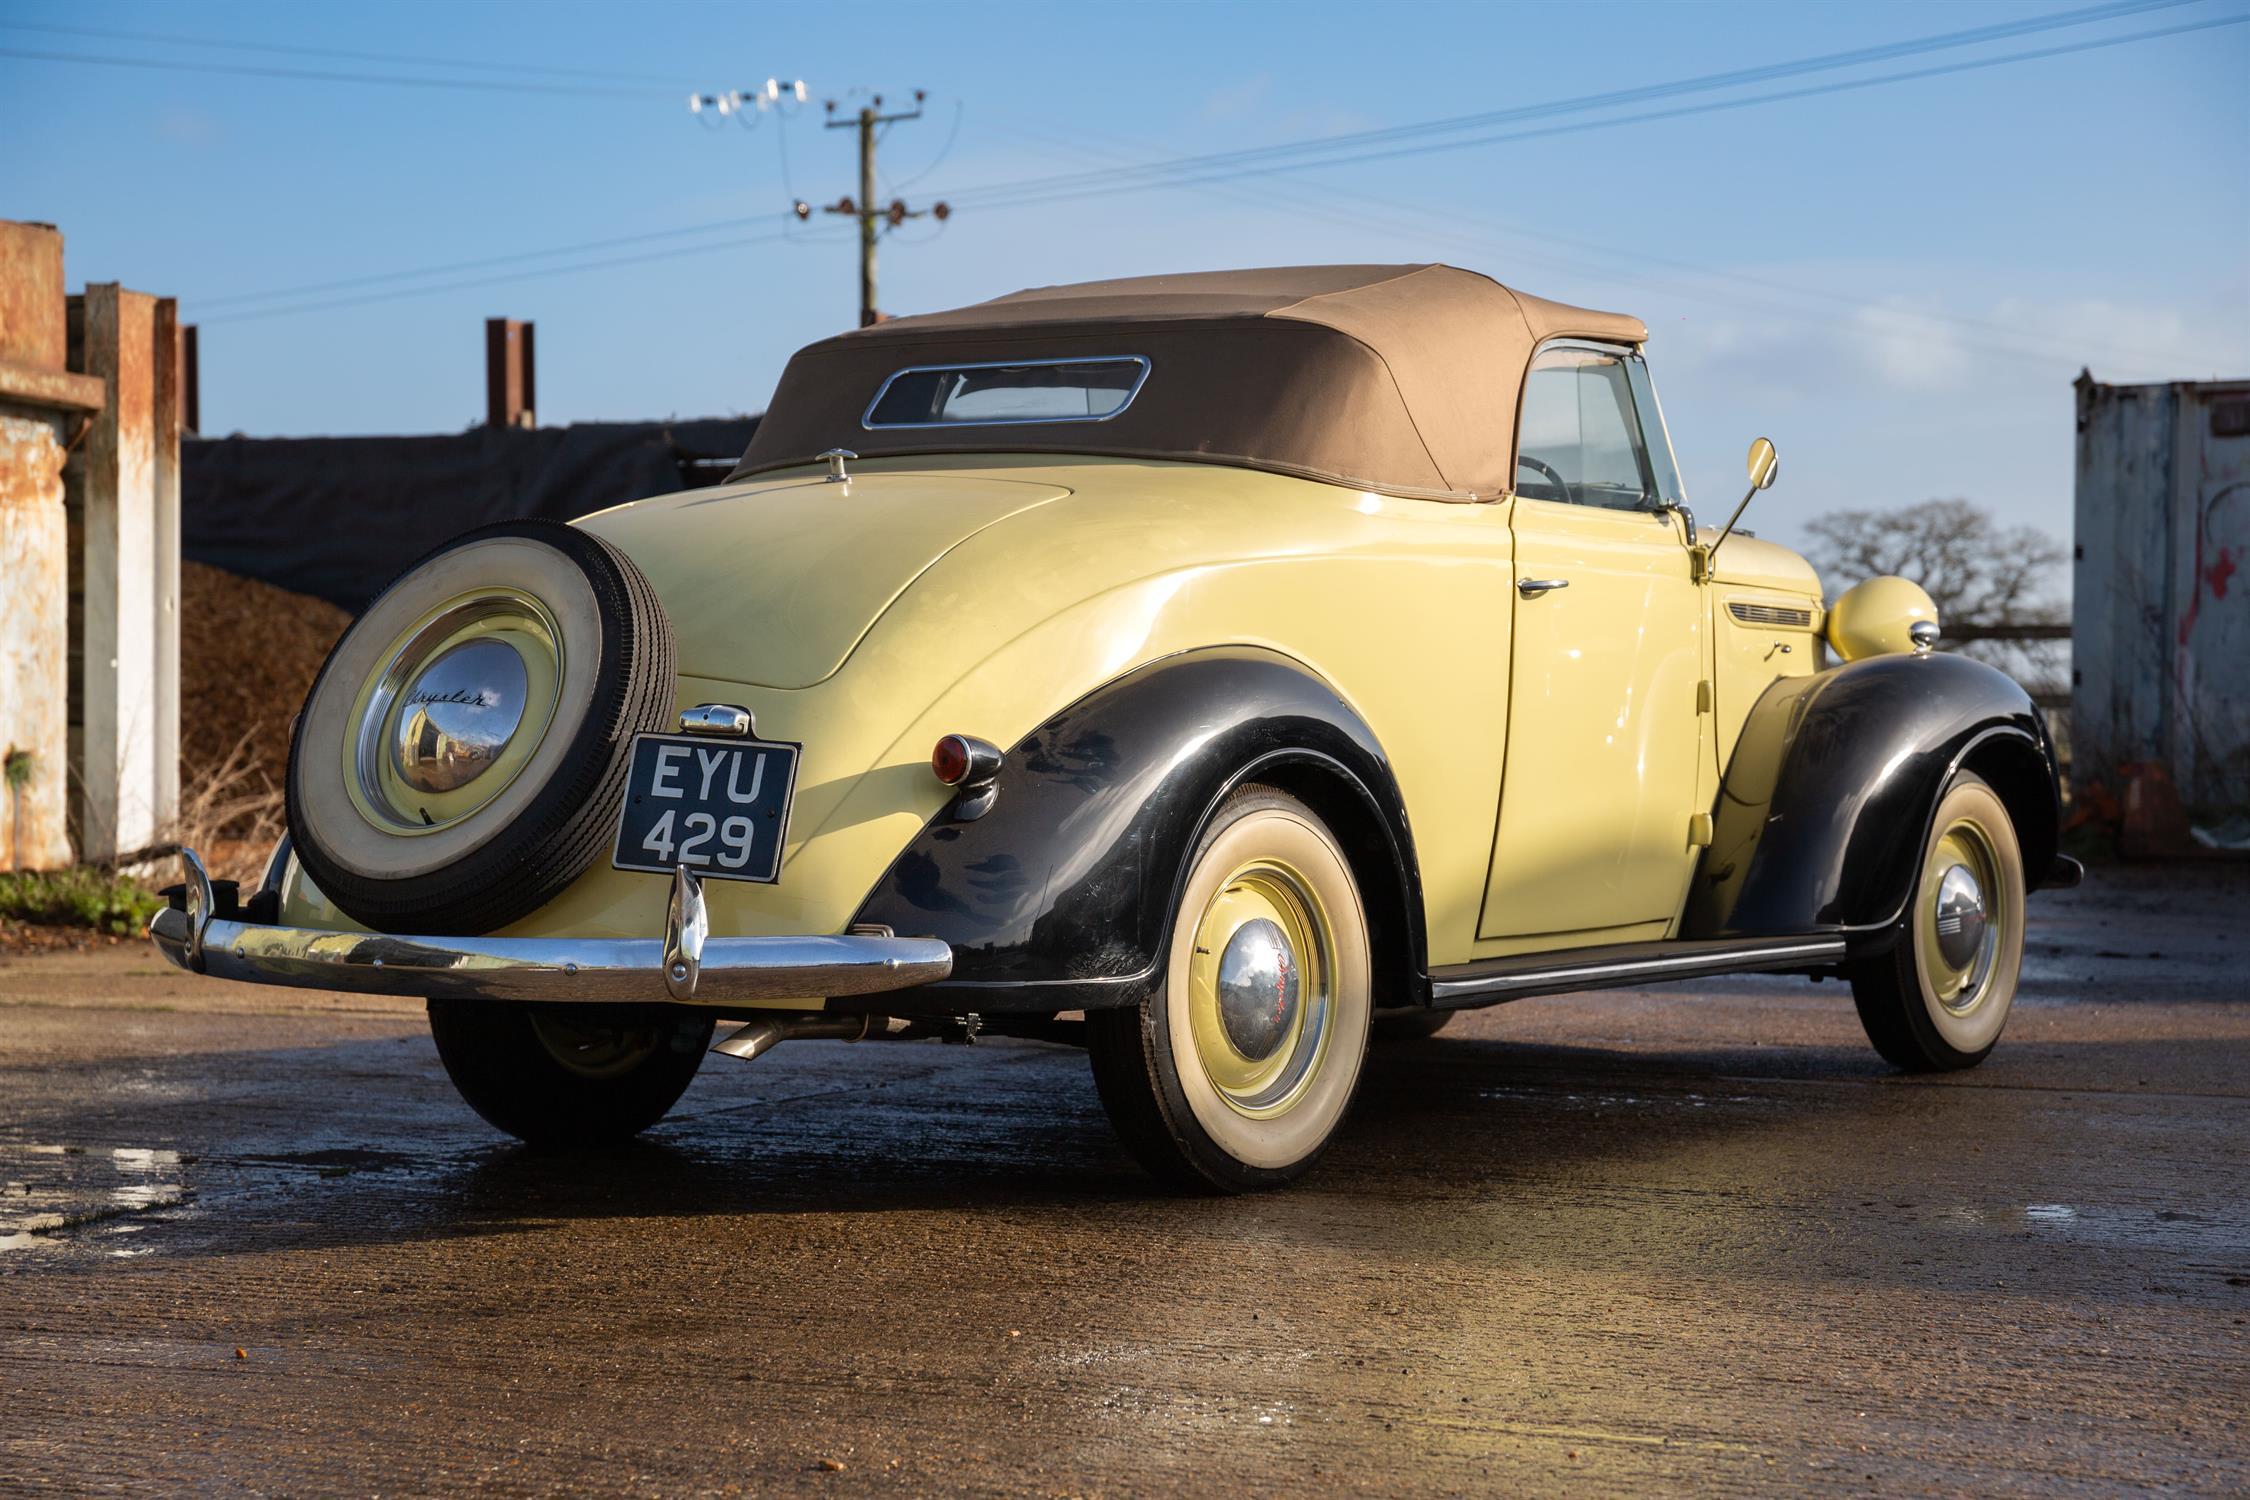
1770 614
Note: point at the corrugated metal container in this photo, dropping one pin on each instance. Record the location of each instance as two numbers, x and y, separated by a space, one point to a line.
2160 618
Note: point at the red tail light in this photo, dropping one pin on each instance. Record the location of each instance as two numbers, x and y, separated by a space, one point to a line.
964 760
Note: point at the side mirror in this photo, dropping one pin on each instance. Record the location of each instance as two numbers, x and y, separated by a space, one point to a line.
1765 467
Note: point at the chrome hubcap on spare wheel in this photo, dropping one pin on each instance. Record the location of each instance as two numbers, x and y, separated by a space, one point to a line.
1261 989
456 709
457 717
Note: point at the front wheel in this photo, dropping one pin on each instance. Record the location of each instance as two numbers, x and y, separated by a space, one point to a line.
1237 1071
566 1075
1937 1000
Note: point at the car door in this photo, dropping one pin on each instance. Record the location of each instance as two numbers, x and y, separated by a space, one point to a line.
1600 774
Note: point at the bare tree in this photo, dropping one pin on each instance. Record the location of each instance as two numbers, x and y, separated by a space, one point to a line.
1975 570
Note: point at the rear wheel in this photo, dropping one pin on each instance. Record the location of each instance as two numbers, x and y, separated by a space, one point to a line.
1236 1073
557 1075
1938 1000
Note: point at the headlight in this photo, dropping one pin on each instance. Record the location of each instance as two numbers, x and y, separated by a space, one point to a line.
1878 618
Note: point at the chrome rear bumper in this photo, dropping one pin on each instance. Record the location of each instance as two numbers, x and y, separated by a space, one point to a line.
683 967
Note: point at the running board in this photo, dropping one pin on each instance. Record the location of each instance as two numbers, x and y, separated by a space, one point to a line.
1492 980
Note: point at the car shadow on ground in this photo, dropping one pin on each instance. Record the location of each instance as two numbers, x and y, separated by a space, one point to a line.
363 1142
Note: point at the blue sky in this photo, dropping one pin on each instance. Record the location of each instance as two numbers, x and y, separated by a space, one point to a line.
1895 283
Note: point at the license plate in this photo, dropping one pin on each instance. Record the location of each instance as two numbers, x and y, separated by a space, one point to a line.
719 807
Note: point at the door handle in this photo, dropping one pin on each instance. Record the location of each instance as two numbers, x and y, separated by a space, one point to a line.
1532 588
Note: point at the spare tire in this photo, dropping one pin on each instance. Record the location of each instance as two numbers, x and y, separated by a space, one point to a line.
462 755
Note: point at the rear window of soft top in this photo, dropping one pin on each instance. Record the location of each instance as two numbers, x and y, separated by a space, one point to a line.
999 394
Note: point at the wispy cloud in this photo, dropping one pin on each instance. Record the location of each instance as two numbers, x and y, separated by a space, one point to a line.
183 126
1238 99
1896 346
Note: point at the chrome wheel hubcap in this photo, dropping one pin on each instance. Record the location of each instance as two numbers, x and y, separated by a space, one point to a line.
459 714
1961 918
1260 991
1964 910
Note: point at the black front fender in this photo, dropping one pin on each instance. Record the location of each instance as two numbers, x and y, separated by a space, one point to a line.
1829 794
1061 896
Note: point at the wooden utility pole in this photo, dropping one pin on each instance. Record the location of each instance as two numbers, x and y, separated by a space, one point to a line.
864 208
867 215
748 106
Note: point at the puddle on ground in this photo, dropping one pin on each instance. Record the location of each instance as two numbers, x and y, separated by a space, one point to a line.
2105 1224
27 1236
1619 1101
52 1190
96 1197
2108 1224
338 1161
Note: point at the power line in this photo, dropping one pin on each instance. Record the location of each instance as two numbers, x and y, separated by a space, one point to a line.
171 39
249 70
1448 219
1220 177
1083 182
952 134
256 314
1325 146
781 145
1351 212
1197 178
1193 170
348 282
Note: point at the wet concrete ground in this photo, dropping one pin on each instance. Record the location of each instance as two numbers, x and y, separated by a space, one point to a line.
1697 1237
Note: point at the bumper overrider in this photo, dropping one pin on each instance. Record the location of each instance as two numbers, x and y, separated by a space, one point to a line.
205 932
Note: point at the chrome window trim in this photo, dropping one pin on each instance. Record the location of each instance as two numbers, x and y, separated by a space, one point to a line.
1630 354
1664 431
868 424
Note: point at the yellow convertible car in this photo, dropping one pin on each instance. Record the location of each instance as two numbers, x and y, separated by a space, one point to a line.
1217 670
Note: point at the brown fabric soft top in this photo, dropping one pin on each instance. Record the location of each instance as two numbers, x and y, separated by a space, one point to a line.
1401 379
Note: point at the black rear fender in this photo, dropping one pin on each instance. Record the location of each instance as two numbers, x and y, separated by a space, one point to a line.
1061 896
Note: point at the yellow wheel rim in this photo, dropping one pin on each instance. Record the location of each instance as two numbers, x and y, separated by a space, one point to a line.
1260 988
513 629
1961 913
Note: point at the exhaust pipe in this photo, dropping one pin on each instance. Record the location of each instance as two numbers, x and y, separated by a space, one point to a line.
768 1032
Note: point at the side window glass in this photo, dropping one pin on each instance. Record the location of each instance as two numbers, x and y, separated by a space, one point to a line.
1580 437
